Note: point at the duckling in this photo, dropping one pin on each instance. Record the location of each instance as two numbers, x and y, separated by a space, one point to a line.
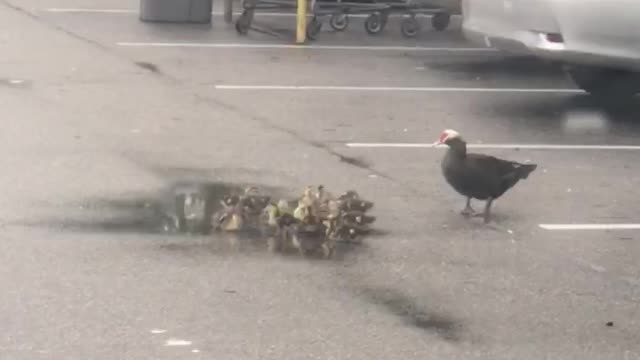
269 227
351 234
307 209
349 195
250 197
250 190
231 220
277 223
270 215
311 238
323 196
356 205
328 205
251 204
287 227
284 207
301 212
333 209
235 215
309 200
254 200
309 234
357 217
350 226
229 201
345 233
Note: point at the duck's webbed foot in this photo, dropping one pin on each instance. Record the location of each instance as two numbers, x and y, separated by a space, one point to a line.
468 210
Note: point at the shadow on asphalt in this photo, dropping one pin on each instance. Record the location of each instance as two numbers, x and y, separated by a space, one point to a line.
413 313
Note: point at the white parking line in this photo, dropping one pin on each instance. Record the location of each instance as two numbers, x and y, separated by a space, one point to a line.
590 226
391 88
177 342
293 46
499 146
216 13
97 11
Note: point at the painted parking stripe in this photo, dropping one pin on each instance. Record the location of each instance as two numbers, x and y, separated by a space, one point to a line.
500 146
216 13
590 226
177 342
390 89
293 46
96 11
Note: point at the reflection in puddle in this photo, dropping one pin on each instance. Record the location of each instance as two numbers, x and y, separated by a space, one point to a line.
569 119
156 213
15 83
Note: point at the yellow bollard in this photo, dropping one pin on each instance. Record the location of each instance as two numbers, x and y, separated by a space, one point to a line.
301 22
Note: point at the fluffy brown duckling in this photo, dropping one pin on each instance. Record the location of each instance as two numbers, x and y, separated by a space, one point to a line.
231 220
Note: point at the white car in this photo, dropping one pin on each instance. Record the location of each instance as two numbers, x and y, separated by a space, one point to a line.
597 40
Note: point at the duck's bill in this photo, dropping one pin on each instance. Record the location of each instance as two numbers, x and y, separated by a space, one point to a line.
438 142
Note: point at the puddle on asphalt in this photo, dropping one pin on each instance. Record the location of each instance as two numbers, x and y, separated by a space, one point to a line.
183 211
159 213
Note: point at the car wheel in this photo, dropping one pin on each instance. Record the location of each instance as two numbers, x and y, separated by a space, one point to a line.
613 84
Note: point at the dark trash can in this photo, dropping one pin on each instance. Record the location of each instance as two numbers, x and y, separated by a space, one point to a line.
176 11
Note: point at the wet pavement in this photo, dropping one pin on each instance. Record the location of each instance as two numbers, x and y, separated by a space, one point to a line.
100 122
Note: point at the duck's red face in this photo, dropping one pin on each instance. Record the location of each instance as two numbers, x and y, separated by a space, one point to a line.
446 136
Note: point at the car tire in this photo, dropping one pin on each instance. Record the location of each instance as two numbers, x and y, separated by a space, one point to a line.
606 83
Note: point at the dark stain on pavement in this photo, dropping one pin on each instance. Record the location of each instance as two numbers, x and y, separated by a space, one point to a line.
413 313
359 163
149 66
354 162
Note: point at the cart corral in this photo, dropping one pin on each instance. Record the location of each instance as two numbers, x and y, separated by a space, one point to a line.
337 14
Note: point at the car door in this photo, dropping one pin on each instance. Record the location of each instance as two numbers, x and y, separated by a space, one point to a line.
610 28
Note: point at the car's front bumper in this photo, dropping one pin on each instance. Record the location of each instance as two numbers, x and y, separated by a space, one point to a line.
555 37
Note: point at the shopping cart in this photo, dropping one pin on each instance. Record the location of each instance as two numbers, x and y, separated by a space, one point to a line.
340 11
319 9
409 9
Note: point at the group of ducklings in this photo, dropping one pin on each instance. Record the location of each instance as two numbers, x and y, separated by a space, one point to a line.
313 223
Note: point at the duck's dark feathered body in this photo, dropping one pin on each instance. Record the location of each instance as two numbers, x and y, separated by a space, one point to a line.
479 176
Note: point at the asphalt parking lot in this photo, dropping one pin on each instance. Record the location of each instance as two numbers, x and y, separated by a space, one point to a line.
103 112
